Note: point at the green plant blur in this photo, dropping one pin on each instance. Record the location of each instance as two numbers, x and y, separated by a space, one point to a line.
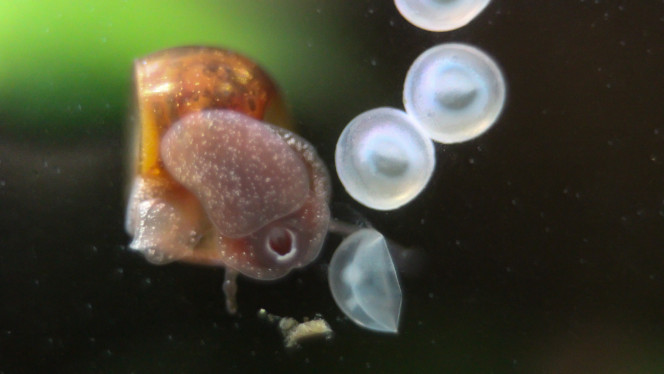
65 66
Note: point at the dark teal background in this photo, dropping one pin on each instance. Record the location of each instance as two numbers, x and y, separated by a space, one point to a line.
540 243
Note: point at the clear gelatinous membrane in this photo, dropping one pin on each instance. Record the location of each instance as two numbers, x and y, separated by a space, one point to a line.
440 15
455 91
364 281
384 159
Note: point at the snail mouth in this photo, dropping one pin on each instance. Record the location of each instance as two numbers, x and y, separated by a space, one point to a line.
280 243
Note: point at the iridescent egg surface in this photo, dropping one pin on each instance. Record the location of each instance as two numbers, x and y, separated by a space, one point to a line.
440 15
455 92
384 159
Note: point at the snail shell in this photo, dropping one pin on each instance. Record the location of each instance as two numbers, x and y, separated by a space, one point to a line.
218 177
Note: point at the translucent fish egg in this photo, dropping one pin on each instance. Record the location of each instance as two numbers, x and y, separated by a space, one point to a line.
364 281
440 15
384 159
455 91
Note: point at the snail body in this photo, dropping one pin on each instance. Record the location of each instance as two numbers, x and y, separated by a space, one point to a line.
218 177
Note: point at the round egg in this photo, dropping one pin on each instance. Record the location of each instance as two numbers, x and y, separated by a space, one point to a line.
384 159
440 15
455 92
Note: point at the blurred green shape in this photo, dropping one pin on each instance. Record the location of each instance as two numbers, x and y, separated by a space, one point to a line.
65 67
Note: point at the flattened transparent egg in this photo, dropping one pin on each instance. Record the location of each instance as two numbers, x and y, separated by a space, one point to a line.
364 282
440 15
455 91
384 159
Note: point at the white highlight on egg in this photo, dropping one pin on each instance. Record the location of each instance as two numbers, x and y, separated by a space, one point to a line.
455 91
364 281
384 159
440 15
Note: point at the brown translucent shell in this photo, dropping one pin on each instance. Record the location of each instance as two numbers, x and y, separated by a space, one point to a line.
175 82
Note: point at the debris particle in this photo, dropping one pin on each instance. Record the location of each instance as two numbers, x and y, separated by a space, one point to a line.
295 332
